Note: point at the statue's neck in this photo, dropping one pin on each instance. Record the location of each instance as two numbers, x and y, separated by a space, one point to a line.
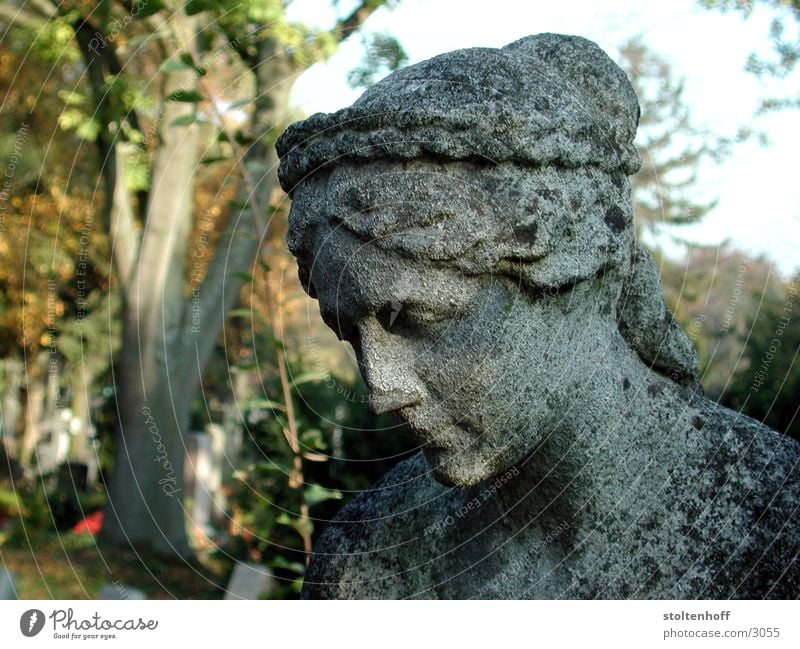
606 452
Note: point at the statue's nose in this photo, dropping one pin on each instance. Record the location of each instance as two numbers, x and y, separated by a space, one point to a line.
385 365
381 402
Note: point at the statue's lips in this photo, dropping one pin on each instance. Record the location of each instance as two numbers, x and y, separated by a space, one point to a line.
421 435
429 440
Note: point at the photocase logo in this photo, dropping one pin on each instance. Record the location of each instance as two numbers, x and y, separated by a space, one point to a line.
31 622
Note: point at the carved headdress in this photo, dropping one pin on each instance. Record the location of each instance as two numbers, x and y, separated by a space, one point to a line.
546 99
550 120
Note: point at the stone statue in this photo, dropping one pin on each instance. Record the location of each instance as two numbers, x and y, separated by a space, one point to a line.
466 226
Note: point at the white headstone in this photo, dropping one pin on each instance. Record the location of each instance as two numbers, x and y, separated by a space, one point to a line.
203 477
8 588
202 463
248 581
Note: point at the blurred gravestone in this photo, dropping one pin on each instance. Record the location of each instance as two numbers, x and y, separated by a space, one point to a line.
8 589
203 476
118 591
248 581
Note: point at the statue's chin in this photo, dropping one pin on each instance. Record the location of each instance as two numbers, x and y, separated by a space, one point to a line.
452 469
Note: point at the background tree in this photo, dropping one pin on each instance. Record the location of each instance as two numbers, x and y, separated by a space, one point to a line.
156 85
785 43
718 295
766 384
383 54
52 273
725 300
672 147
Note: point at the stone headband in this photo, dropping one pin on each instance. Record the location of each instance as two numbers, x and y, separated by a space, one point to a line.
542 100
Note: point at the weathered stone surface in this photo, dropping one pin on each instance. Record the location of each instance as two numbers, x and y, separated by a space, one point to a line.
466 225
542 100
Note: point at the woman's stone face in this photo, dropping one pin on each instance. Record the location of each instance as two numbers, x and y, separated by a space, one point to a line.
471 363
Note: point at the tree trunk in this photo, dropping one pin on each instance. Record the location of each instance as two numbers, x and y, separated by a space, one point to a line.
145 505
11 403
167 340
146 493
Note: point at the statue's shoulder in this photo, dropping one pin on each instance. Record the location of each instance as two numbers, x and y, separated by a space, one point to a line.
746 491
376 545
746 446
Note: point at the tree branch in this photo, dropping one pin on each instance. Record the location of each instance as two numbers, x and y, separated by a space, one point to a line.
18 16
46 7
169 210
117 212
347 26
125 238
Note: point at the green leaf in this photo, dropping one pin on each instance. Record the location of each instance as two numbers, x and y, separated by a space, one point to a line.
275 465
384 54
314 494
303 526
193 7
240 103
135 136
73 98
10 501
245 277
238 205
89 130
186 96
297 585
212 159
313 437
187 120
240 313
148 8
242 139
266 403
175 65
283 563
310 377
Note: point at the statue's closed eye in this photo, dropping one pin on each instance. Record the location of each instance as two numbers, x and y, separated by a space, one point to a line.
392 316
398 317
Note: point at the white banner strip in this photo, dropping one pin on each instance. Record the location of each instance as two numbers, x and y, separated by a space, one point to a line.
350 625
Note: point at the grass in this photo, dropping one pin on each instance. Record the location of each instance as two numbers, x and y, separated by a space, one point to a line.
75 566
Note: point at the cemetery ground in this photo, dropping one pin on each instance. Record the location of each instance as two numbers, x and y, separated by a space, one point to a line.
77 565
